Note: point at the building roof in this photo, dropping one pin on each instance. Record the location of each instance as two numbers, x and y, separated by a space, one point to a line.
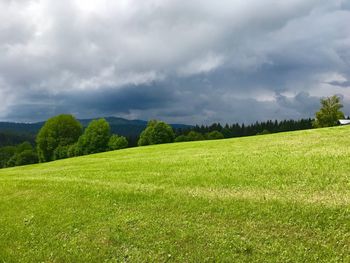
344 122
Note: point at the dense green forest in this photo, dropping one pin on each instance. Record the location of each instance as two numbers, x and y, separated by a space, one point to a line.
240 130
10 138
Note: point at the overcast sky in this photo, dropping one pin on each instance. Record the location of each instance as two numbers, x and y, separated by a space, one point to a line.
182 61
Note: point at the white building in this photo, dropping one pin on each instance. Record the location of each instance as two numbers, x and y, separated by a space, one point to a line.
344 122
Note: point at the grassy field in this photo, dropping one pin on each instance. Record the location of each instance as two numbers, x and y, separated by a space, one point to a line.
272 198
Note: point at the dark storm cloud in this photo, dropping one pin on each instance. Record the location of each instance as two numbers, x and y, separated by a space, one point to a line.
95 103
121 100
301 104
182 61
343 84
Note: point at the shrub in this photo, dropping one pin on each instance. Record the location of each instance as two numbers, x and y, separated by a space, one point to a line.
6 154
12 161
23 158
61 152
73 150
181 138
157 132
214 135
17 155
26 157
24 146
195 136
117 142
264 132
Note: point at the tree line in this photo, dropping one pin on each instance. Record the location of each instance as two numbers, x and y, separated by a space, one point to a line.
63 136
240 130
10 138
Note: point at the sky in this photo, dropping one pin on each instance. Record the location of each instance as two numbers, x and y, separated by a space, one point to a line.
181 61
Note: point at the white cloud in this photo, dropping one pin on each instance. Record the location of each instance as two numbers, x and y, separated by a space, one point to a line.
202 65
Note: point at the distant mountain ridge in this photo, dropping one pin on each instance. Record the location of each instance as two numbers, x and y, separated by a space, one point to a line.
121 126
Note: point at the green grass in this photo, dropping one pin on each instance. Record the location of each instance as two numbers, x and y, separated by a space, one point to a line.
273 198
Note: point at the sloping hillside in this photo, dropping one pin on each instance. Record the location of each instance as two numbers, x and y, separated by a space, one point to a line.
272 198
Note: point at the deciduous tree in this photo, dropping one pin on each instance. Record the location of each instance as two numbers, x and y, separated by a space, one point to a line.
117 142
157 132
330 112
95 138
61 130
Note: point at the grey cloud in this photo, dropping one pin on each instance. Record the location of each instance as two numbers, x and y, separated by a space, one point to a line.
184 61
343 84
301 104
102 102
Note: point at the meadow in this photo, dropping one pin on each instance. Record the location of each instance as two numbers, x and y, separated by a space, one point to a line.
270 198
